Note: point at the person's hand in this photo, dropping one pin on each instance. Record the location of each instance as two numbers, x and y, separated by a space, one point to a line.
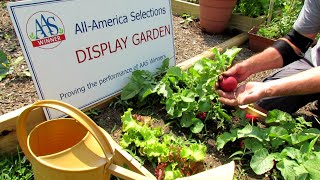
244 94
240 71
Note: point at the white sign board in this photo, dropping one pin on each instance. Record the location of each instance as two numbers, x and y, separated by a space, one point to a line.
82 52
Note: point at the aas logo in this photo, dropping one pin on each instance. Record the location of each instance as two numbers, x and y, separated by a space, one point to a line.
45 30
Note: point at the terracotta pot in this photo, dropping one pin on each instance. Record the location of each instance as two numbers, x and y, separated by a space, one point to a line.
258 43
215 14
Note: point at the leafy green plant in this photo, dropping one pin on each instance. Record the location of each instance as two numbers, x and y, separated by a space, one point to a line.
14 167
187 19
287 144
174 156
4 63
184 94
7 66
252 8
282 24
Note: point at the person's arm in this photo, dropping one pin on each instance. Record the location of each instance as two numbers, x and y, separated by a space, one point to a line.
306 82
282 52
272 57
267 59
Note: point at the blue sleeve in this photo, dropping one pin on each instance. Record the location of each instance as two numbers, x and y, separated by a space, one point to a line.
308 21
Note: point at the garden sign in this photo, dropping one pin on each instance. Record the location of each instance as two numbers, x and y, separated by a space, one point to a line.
83 52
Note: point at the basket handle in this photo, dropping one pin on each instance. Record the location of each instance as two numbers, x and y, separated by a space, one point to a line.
73 112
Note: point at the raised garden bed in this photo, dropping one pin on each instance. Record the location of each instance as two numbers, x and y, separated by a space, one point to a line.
108 117
258 43
179 7
237 21
245 23
8 121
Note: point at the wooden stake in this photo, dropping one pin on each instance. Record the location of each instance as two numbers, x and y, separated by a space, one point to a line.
235 41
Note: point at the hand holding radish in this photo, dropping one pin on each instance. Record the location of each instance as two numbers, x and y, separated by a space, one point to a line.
244 94
240 71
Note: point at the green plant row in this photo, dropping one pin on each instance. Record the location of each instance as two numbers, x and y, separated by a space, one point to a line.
188 96
287 144
282 23
15 167
173 156
251 8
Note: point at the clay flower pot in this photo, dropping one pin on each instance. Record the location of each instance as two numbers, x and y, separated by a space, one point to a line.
215 14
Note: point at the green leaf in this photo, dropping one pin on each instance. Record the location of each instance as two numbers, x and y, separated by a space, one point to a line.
252 131
164 89
290 169
175 71
187 95
197 125
253 144
204 104
276 143
311 144
304 135
293 153
4 65
136 84
231 53
198 67
128 122
194 152
276 135
164 65
156 149
313 166
186 120
235 156
125 140
170 106
261 161
171 172
224 138
144 93
276 131
277 116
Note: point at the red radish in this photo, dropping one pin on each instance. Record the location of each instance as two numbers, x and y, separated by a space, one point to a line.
228 84
252 118
202 115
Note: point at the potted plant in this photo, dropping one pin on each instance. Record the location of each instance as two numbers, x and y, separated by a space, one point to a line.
258 43
248 13
264 36
215 14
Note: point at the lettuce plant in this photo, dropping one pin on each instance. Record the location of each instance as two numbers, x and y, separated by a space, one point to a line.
185 94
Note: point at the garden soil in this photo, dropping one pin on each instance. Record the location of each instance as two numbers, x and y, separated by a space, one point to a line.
17 90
